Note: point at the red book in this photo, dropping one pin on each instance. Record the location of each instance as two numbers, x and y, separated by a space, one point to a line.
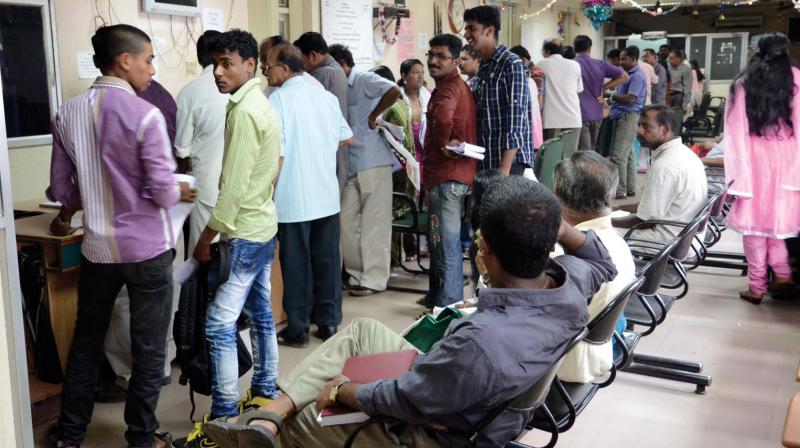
367 369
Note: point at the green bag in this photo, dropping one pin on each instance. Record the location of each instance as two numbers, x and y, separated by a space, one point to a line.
428 330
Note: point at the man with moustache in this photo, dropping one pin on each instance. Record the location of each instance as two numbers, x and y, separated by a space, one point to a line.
447 177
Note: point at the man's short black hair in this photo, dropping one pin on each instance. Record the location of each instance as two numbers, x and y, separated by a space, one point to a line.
472 52
204 49
613 53
520 51
582 43
483 180
451 41
632 52
486 16
384 72
665 46
552 46
111 41
341 53
311 41
649 51
275 40
288 55
678 54
236 40
520 220
664 115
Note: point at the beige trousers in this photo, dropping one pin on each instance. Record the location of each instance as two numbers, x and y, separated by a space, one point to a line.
367 227
362 337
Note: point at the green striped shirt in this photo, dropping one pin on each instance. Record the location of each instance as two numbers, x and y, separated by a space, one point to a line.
244 207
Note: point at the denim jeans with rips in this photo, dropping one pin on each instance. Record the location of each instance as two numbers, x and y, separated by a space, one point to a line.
446 276
247 288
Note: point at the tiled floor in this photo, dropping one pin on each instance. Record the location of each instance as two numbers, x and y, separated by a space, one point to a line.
751 351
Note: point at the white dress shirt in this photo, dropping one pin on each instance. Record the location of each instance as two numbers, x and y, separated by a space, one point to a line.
563 83
587 362
675 189
307 76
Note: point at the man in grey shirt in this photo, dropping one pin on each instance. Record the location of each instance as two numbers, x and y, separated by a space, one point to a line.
680 75
367 194
537 302
329 73
659 90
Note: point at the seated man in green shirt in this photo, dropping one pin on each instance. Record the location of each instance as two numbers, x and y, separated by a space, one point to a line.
245 215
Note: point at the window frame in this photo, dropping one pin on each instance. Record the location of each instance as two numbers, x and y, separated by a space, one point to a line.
53 72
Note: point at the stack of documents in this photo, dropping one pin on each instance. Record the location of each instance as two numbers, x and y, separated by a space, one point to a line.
467 150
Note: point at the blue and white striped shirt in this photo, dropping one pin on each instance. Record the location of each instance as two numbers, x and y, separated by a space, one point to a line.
504 108
635 85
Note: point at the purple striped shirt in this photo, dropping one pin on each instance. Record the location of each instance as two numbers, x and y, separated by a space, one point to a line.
112 158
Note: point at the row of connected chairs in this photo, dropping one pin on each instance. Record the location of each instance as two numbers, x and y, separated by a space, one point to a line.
664 267
550 153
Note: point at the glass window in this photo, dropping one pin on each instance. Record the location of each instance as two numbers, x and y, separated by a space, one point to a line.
24 68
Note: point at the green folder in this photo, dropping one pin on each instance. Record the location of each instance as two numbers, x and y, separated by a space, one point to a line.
429 330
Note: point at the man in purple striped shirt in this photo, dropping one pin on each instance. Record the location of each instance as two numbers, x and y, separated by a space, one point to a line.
113 159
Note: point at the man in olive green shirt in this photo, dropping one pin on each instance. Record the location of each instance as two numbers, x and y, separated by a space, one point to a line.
245 216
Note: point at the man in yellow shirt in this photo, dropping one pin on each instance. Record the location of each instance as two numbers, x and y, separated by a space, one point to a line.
245 215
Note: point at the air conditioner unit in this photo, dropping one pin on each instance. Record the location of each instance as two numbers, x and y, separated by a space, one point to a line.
654 35
741 22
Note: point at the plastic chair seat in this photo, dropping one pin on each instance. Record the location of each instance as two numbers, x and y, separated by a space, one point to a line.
631 339
636 312
405 223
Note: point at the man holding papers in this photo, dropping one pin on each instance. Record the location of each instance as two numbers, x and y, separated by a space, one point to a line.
447 176
537 302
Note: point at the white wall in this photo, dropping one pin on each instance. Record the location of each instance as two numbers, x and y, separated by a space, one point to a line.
30 167
535 30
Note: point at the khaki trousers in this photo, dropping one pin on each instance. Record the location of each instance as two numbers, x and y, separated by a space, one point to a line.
367 227
625 128
362 337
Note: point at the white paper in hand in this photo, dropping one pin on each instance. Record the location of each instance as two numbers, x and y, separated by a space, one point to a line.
185 271
180 211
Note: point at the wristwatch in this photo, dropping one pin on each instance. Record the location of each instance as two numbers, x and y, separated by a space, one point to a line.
335 390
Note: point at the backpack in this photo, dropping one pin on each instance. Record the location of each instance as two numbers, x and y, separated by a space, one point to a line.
36 311
189 327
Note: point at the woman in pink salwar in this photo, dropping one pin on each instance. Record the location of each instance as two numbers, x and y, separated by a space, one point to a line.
762 158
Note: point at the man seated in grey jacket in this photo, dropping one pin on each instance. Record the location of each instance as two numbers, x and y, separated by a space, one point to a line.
522 325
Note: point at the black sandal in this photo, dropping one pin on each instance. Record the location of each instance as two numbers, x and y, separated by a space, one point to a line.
242 433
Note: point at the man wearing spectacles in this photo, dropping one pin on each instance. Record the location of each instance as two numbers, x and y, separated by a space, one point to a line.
447 177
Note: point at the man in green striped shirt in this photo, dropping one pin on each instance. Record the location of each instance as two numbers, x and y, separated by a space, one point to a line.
245 215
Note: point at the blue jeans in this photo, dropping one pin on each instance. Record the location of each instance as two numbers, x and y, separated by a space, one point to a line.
248 289
446 276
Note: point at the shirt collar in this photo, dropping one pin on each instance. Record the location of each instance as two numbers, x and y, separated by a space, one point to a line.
528 298
448 78
208 68
293 80
666 145
253 84
555 56
352 78
634 69
499 52
113 81
601 223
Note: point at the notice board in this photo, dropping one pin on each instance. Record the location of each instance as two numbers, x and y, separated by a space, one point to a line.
349 22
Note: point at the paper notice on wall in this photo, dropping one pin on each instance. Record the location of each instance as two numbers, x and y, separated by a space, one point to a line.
422 41
405 40
349 22
86 68
213 19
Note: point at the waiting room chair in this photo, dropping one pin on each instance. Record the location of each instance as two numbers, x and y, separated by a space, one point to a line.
569 141
528 401
651 310
551 152
566 400
413 222
705 126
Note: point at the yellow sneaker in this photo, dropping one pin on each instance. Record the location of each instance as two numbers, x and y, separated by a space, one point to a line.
197 438
251 402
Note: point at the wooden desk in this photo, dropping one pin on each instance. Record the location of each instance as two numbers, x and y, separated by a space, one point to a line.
61 257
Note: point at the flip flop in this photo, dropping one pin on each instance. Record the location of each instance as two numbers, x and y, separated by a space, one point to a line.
242 433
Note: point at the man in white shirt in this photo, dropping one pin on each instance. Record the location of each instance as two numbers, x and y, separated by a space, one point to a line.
585 184
200 136
651 78
675 188
563 83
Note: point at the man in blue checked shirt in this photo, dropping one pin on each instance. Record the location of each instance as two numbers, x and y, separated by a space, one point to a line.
625 106
501 94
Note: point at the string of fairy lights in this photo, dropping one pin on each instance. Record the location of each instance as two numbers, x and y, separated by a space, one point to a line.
658 9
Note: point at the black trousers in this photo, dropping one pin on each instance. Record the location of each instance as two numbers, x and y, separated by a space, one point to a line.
149 286
311 269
